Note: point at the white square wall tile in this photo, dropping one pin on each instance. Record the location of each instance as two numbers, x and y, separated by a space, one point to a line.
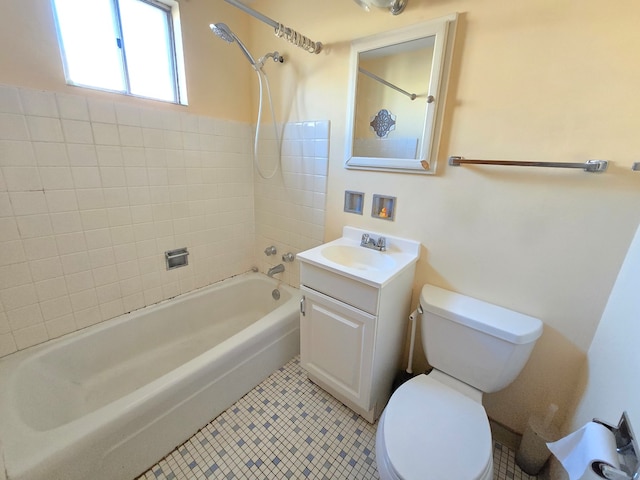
109 156
4 323
77 131
71 243
66 222
128 114
45 269
101 257
45 129
130 136
61 326
13 127
56 307
31 226
10 100
116 197
7 344
21 178
102 111
83 300
90 198
75 263
51 288
41 247
61 200
51 154
39 103
80 281
86 177
29 336
105 275
16 153
73 107
6 210
14 275
24 317
98 238
82 155
8 229
88 317
56 178
106 134
17 297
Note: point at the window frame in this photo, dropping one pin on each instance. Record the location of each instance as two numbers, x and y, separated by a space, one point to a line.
174 51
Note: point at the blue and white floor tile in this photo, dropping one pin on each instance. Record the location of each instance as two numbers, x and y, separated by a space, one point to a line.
288 428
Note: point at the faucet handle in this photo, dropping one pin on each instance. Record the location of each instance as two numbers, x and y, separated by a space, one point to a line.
288 257
270 251
382 244
365 239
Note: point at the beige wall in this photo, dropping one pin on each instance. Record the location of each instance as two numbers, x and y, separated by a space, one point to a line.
547 80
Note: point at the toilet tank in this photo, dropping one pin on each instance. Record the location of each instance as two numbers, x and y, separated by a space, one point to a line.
481 344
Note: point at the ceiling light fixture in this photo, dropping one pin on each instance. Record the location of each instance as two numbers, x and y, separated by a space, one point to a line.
394 6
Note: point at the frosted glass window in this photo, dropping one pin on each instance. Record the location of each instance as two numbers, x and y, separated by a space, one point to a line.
126 46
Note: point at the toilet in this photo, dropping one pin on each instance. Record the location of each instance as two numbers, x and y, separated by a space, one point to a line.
434 426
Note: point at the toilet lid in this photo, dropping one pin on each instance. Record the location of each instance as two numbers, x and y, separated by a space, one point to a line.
432 431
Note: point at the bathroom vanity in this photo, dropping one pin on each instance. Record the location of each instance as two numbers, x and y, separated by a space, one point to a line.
353 315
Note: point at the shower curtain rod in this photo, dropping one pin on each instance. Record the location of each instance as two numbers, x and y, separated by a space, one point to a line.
412 96
281 30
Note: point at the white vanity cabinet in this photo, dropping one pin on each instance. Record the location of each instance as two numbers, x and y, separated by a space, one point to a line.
337 343
353 330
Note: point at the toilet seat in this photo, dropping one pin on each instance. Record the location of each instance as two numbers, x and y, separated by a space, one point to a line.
431 431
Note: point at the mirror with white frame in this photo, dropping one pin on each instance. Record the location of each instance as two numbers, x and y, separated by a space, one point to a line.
396 97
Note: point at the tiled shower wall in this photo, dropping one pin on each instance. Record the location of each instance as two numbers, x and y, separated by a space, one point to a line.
290 206
92 192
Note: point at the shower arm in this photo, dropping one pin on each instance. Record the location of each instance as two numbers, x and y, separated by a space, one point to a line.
281 30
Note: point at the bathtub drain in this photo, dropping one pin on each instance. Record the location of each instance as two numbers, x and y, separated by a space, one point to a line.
276 294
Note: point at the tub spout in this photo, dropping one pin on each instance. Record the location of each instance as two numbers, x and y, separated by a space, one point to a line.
277 269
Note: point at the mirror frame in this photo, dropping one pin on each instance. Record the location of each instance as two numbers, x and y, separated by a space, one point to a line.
444 30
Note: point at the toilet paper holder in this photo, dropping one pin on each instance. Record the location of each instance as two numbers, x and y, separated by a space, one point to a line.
627 448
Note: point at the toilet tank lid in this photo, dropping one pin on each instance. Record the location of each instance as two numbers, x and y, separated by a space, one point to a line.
491 319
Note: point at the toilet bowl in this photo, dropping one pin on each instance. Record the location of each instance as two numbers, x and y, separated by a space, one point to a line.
432 431
434 426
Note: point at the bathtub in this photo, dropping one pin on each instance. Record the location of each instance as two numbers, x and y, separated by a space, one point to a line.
109 401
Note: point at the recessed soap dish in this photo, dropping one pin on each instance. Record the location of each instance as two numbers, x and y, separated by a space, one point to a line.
353 202
176 258
383 207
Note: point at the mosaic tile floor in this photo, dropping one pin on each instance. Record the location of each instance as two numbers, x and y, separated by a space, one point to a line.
287 427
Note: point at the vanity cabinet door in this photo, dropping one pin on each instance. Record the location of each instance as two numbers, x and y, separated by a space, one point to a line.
337 345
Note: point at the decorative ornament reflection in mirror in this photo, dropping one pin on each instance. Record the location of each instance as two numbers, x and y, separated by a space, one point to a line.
383 122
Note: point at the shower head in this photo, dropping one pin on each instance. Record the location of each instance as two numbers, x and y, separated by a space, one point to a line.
225 33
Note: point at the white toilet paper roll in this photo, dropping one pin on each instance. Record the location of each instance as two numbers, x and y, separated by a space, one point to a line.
582 450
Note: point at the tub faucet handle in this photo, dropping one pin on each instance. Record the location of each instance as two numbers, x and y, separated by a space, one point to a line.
288 257
270 251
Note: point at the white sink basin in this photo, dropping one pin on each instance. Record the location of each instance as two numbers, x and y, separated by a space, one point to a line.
347 257
357 257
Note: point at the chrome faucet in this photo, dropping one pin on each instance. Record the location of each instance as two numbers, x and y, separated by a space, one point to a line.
368 242
277 269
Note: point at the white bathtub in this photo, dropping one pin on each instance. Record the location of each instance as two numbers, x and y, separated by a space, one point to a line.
111 400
